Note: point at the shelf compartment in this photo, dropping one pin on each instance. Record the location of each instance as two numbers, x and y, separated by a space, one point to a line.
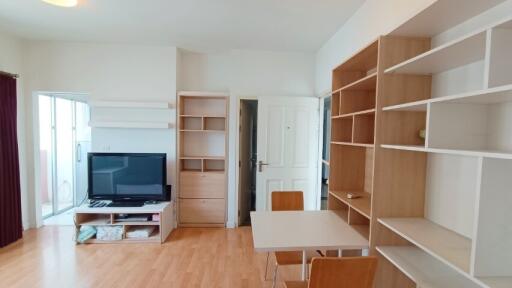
210 165
340 208
191 165
499 55
403 127
342 129
93 219
202 106
191 123
354 102
501 94
359 66
457 53
202 144
214 123
471 127
423 269
335 104
351 168
447 246
367 83
472 153
492 256
361 205
364 128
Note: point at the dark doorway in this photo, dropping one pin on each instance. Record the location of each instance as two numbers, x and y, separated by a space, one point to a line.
248 155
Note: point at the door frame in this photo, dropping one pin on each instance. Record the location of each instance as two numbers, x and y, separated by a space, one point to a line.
237 154
321 147
36 198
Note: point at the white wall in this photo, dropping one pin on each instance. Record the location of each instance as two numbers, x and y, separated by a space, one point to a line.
248 72
104 72
11 61
373 19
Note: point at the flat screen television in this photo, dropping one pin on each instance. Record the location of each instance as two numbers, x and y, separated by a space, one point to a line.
124 177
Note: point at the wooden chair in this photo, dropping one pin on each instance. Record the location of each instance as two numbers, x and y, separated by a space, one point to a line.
349 272
286 201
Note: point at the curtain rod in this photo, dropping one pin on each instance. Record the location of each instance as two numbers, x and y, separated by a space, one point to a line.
9 74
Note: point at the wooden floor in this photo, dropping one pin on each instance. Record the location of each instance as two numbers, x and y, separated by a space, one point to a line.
191 257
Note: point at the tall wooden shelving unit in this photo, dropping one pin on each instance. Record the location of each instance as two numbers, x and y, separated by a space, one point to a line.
444 218
435 209
353 156
352 138
202 149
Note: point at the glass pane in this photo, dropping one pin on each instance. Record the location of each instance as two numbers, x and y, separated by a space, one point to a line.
45 154
83 146
327 128
65 151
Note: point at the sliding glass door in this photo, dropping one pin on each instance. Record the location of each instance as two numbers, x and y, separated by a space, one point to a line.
64 142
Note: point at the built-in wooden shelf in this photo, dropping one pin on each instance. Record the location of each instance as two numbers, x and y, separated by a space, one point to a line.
203 131
495 95
203 116
202 149
203 157
354 144
364 112
447 246
457 53
367 83
130 124
462 152
361 205
423 269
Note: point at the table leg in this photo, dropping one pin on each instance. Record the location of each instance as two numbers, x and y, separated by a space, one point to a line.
304 265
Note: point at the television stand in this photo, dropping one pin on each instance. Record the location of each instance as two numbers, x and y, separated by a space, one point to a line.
126 204
164 223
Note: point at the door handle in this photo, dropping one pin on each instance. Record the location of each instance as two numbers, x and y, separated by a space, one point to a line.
79 153
260 165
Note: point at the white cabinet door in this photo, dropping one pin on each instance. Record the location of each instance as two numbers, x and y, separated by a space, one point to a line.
287 148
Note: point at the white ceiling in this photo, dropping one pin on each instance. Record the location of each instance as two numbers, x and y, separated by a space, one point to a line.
284 25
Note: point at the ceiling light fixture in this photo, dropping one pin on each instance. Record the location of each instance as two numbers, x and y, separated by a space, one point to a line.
62 3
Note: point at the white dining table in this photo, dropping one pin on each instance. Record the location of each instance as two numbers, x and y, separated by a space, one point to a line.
303 231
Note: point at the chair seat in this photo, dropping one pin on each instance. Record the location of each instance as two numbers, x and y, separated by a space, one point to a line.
296 284
294 257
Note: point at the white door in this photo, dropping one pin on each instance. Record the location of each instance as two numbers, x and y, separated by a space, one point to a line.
287 148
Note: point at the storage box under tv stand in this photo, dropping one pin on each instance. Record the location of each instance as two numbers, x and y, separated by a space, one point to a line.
105 216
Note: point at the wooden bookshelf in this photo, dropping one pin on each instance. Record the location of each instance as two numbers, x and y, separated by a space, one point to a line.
202 151
440 198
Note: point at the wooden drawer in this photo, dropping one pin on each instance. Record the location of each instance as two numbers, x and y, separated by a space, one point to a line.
210 185
202 211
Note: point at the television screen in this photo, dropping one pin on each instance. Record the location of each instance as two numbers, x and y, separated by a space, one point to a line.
127 176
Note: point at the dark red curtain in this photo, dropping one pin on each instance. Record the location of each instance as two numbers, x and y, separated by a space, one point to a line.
10 192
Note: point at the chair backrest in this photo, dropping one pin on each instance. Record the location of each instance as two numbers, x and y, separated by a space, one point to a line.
287 201
346 272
